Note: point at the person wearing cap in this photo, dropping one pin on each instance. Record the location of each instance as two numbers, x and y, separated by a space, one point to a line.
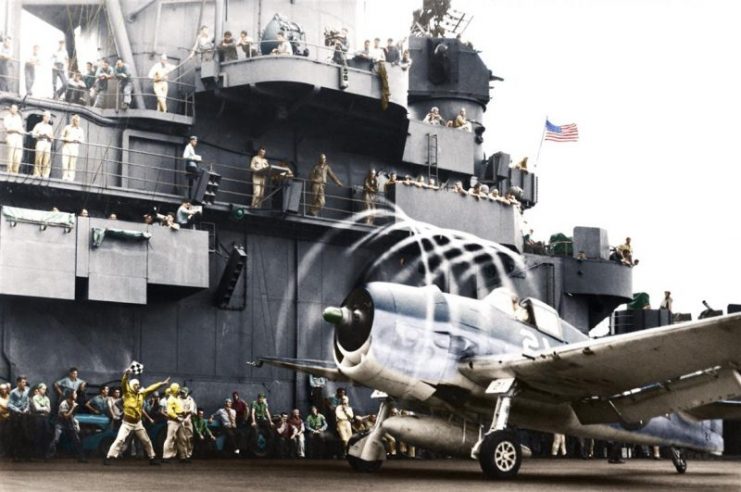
59 61
72 136
133 400
175 441
190 410
4 419
227 417
14 138
102 75
158 73
44 134
6 56
259 166
192 170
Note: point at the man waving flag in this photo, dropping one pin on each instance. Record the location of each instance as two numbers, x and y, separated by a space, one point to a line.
563 133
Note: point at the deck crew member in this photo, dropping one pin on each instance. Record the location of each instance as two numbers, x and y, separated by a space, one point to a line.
259 166
370 189
43 133
14 137
158 73
133 399
175 441
72 136
344 415
318 180
190 411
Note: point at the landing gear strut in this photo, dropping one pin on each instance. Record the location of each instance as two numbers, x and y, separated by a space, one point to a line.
366 452
499 452
679 460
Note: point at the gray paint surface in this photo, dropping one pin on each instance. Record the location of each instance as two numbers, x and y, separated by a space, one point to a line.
36 262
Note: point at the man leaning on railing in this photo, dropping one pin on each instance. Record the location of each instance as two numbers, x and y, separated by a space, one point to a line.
122 74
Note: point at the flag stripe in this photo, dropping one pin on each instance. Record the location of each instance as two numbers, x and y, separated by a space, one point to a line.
563 133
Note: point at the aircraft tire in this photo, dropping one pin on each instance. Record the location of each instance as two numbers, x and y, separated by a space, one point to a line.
679 460
500 455
356 463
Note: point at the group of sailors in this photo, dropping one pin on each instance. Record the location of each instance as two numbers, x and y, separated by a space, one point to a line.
71 137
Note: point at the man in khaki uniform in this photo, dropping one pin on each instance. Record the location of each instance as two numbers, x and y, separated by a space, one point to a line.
259 166
370 189
158 74
318 181
43 133
344 416
72 136
14 138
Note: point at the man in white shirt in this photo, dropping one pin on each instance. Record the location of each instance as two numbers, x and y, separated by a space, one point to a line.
43 133
59 61
158 74
191 164
72 136
376 53
14 137
284 47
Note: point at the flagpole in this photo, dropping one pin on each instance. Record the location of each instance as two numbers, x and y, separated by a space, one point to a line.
542 139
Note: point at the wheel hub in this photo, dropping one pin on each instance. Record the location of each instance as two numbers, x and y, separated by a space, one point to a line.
505 456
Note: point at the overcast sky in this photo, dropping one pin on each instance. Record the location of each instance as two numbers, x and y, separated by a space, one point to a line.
655 87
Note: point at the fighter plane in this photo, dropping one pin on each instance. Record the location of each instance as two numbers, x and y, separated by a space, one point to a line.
483 368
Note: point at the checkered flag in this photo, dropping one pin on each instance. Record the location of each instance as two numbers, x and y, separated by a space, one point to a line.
136 368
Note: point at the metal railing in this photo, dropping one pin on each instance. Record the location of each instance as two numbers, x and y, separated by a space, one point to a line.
315 52
104 167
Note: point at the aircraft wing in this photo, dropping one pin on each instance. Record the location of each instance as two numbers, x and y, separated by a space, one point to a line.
726 410
318 368
633 376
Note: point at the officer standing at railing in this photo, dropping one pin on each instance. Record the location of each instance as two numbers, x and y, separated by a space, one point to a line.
158 74
318 179
259 166
43 133
14 138
72 136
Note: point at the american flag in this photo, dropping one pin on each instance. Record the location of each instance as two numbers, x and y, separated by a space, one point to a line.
563 133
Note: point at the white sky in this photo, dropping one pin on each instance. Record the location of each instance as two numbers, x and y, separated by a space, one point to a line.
655 87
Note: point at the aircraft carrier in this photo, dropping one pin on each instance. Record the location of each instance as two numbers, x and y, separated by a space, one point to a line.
197 303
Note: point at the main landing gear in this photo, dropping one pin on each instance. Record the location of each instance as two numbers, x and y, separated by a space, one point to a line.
679 460
366 452
499 451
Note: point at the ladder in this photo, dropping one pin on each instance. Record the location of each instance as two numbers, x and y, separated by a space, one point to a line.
432 157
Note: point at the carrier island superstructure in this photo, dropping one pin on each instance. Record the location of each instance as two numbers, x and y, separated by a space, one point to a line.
195 304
